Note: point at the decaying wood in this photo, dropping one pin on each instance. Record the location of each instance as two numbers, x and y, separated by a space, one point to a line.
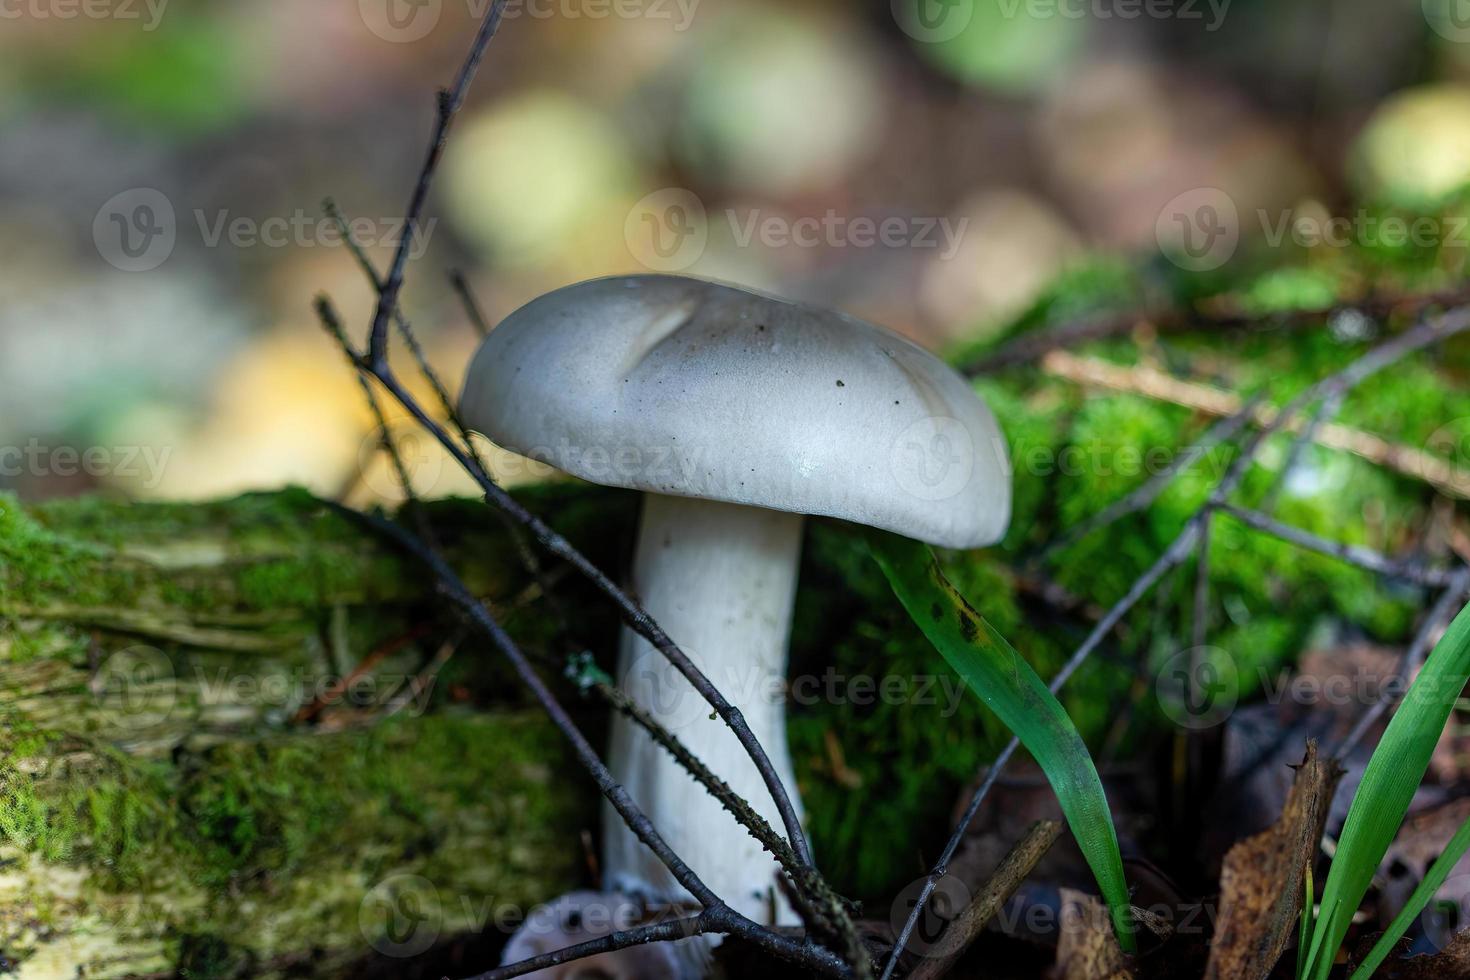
1262 881
197 771
1008 876
1087 948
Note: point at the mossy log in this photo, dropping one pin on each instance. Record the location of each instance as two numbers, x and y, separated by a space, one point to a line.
187 785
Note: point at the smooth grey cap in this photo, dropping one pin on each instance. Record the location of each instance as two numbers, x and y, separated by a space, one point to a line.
675 385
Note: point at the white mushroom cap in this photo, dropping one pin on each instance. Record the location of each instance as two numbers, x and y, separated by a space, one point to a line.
679 386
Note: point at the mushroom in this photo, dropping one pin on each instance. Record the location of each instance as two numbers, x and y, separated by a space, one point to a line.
736 413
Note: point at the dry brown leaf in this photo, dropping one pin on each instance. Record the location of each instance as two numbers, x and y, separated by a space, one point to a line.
1419 843
1261 883
1087 948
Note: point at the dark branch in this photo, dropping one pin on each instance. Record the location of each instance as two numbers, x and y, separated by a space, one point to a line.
1364 558
694 925
1427 332
375 362
726 919
449 103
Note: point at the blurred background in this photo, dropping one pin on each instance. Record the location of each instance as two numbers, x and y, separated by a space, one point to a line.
931 165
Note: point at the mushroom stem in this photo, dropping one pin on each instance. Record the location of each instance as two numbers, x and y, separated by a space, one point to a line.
721 579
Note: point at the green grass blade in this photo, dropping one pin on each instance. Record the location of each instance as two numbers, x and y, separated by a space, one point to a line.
1304 931
1388 785
1438 872
1006 683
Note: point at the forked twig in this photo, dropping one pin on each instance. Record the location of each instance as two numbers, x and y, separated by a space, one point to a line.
824 909
375 363
716 916
1427 332
1364 558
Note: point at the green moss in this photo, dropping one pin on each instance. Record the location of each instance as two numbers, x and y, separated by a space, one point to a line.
23 816
35 563
473 799
1268 600
112 810
1291 288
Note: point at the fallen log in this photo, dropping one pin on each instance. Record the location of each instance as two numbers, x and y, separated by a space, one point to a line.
216 758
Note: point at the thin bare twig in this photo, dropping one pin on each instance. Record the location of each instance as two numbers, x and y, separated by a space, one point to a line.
728 921
446 404
1427 332
1028 348
1003 882
472 307
702 924
1443 608
1364 558
1147 492
449 104
375 363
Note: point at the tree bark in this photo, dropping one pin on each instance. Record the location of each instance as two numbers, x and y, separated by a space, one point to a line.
237 741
